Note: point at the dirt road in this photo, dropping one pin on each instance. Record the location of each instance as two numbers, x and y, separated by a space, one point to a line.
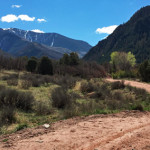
123 131
142 85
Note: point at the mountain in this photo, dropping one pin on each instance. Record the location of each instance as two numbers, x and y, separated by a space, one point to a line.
4 54
17 46
59 42
132 36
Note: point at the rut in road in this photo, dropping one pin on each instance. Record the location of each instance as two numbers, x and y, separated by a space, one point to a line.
100 144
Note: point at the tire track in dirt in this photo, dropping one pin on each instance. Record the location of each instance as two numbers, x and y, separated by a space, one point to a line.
100 144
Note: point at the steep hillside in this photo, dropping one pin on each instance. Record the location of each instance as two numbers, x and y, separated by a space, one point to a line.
17 46
132 36
53 40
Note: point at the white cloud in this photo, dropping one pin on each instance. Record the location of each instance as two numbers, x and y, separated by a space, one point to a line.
9 18
106 30
37 31
26 18
41 20
12 18
16 6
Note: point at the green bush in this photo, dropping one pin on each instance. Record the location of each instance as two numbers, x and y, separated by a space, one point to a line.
60 98
21 127
124 74
138 107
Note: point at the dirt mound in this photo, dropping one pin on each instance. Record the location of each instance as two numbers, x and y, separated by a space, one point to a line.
126 130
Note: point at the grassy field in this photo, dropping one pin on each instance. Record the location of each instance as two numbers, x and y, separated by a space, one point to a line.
58 97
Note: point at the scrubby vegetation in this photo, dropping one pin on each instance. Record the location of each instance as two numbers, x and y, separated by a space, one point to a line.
32 94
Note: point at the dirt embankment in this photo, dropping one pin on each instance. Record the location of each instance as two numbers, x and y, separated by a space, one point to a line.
123 131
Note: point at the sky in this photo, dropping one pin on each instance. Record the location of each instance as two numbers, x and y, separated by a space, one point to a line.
88 20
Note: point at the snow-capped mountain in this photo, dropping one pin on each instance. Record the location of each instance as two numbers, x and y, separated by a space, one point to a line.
53 40
17 46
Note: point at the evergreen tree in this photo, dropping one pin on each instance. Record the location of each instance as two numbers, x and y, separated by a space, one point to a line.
31 65
144 71
45 66
65 60
74 59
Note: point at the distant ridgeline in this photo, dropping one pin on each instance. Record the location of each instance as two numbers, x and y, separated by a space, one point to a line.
132 36
27 43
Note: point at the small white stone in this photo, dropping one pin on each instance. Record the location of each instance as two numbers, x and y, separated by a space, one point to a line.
46 126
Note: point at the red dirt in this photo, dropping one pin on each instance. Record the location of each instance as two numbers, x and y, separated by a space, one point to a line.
128 130
141 85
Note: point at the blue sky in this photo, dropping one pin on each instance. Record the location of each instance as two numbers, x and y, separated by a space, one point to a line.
77 19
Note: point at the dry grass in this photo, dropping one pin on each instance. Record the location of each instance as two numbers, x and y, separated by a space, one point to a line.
103 99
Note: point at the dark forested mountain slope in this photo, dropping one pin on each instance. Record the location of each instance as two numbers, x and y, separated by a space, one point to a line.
132 36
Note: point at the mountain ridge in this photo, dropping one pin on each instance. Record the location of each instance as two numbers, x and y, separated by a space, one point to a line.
53 40
133 36
17 46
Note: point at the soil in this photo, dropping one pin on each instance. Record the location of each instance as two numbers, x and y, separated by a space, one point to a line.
128 130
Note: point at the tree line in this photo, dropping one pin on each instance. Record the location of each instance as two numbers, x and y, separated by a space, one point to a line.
69 64
122 65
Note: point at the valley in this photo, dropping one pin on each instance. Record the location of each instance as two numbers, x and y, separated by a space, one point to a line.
61 93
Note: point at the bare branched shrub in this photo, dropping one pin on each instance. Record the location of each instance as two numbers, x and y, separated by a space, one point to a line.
12 82
7 115
117 95
13 98
42 108
89 86
24 84
117 85
60 98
